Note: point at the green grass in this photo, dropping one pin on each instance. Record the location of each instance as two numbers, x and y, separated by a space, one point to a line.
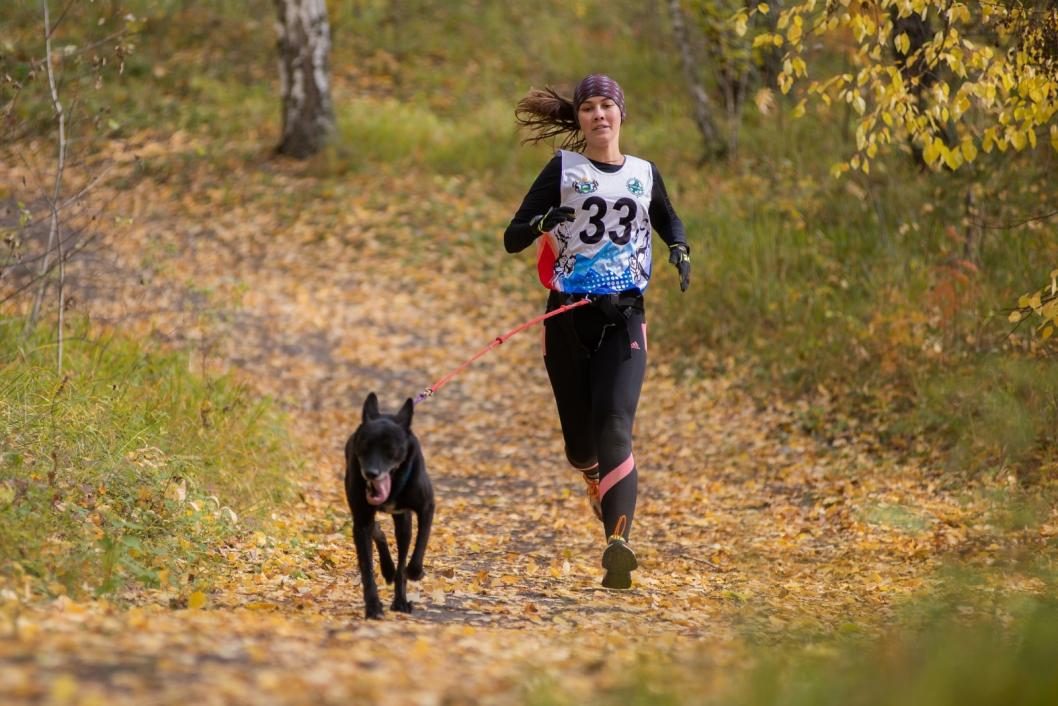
844 286
128 470
860 288
387 134
999 660
996 412
955 655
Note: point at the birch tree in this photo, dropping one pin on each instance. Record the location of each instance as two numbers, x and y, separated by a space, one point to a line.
304 46
703 108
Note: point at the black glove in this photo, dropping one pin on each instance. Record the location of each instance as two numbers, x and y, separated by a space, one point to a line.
554 216
680 256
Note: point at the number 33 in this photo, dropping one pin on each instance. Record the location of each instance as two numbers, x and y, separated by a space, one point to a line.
599 228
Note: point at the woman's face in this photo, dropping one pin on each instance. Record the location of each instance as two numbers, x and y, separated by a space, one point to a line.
600 121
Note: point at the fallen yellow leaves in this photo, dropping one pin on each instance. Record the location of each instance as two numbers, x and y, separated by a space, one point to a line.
744 523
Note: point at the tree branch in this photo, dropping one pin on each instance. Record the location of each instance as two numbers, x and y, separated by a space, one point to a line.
67 256
1011 226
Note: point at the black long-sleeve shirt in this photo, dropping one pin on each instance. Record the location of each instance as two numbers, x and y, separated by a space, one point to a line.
546 193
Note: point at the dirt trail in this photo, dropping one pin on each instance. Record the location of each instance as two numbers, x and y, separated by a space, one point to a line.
745 525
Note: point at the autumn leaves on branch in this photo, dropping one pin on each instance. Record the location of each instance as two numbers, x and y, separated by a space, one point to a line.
954 83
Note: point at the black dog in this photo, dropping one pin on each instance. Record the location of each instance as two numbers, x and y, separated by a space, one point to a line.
385 470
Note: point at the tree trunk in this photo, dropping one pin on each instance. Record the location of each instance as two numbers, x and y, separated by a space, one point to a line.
703 111
914 68
304 74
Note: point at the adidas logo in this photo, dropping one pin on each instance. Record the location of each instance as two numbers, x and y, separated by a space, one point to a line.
635 345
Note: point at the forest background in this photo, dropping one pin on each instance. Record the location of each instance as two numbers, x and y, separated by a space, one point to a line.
888 296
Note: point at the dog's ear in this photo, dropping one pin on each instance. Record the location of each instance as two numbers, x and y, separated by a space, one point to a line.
403 417
371 407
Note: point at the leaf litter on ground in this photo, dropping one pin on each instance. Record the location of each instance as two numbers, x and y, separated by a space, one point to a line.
317 294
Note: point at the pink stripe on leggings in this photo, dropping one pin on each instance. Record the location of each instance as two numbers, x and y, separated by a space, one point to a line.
616 475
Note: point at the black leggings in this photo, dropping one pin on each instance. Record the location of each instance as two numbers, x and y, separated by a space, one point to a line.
596 367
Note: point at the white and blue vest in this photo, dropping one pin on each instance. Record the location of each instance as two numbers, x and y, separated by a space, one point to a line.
606 248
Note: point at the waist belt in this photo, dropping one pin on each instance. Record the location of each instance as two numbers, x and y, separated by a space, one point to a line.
617 308
608 303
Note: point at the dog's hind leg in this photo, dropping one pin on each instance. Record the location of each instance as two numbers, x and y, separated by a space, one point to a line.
415 571
402 529
385 561
362 532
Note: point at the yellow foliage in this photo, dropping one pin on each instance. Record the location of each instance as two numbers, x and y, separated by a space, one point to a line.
1043 304
1014 96
953 158
741 24
761 40
1017 139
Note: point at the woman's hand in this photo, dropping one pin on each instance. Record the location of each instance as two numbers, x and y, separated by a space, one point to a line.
680 256
554 216
521 235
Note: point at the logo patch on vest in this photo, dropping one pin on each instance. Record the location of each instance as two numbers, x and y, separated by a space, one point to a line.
636 187
586 186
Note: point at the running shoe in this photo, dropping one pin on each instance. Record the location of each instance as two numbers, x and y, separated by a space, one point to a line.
619 560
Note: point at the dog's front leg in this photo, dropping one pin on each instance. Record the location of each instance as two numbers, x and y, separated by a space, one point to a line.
402 529
385 561
362 532
425 519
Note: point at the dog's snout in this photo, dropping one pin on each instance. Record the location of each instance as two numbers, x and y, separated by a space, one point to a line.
371 471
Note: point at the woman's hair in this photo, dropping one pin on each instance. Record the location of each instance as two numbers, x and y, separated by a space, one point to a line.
549 114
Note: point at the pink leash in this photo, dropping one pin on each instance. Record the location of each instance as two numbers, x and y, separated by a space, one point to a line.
429 391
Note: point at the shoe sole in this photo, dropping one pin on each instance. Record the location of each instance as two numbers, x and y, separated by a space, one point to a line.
619 560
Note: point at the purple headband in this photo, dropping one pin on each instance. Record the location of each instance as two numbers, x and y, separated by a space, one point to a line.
599 85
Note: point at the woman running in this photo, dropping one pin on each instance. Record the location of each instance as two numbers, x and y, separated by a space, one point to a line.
591 210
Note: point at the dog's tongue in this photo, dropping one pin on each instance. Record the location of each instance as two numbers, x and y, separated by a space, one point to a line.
378 490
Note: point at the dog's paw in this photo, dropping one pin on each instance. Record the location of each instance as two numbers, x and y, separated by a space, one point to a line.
389 572
414 572
401 606
373 610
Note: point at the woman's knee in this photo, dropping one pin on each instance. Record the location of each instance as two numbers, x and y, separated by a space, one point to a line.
582 458
615 432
